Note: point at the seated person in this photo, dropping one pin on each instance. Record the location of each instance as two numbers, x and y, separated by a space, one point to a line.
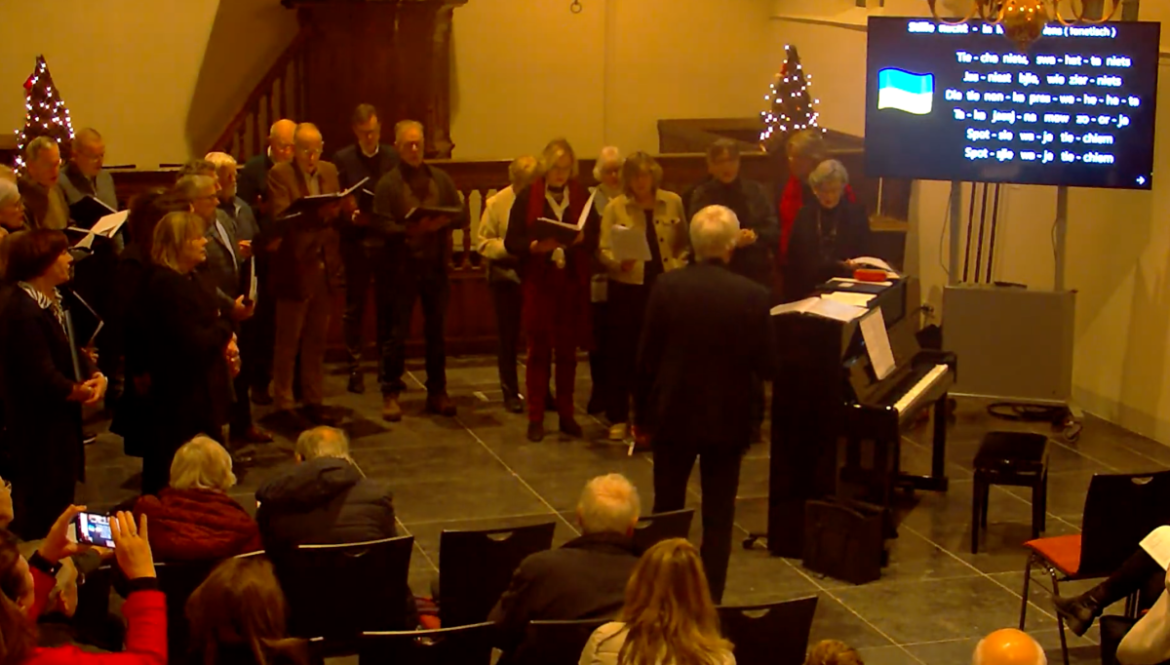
193 518
832 652
238 616
323 498
1009 646
668 616
583 579
829 231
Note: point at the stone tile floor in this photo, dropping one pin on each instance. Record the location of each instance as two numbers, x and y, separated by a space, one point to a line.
931 606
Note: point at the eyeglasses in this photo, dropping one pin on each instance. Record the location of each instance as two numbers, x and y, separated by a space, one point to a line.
311 153
8 485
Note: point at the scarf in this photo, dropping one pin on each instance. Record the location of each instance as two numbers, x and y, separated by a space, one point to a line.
790 204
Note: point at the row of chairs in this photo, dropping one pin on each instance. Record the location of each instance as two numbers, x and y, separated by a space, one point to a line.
774 634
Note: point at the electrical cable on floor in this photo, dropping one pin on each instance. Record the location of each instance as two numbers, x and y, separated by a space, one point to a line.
1029 413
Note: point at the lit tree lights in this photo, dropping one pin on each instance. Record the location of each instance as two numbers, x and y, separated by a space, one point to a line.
792 105
45 114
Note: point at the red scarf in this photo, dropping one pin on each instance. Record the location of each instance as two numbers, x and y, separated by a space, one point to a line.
578 196
790 204
557 301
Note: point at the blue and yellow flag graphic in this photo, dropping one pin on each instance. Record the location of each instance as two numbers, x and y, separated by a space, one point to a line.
905 91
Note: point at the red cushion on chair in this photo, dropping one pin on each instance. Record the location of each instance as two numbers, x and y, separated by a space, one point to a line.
1063 552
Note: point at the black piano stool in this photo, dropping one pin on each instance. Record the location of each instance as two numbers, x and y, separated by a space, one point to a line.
1010 458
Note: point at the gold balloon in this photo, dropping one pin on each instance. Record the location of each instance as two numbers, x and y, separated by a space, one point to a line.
1024 21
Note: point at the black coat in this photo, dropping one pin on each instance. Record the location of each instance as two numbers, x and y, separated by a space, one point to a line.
754 207
583 579
821 240
177 321
323 501
351 168
707 331
43 436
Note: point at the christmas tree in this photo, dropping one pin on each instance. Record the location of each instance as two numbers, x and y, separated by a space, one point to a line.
45 113
792 105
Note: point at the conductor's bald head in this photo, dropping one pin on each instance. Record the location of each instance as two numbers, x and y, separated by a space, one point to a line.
1008 647
280 140
309 145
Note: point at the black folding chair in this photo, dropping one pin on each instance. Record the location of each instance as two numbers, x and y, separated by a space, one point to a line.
462 645
1120 509
178 580
772 634
653 529
475 568
555 642
338 591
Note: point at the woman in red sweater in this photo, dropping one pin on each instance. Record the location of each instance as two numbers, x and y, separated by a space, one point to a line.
25 586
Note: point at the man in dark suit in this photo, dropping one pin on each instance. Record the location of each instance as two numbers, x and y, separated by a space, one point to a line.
363 252
253 190
305 267
706 338
583 579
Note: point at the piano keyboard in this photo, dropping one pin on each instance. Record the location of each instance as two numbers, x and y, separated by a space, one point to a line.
909 399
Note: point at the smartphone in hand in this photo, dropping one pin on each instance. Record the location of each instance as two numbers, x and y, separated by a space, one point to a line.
94 529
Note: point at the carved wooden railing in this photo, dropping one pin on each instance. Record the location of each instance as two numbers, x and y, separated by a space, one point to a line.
280 94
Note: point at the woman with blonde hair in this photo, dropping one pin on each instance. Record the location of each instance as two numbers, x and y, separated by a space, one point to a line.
668 618
188 346
239 615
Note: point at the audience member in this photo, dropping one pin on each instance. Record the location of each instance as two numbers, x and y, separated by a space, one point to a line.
668 616
362 251
417 254
323 498
253 190
47 376
238 617
583 579
706 341
44 202
188 347
25 585
644 207
503 274
237 222
1008 646
193 518
607 171
84 175
759 232
306 266
556 282
829 232
11 208
1140 572
832 652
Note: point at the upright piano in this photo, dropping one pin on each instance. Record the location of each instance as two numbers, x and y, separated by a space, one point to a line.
828 407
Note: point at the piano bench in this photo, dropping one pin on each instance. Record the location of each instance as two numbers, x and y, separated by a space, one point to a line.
1010 458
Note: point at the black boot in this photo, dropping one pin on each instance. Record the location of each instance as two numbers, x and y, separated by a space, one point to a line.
535 431
1078 612
357 382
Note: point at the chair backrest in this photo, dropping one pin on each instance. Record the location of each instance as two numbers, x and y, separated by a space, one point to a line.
339 591
653 529
556 642
1120 509
475 568
772 634
462 645
178 580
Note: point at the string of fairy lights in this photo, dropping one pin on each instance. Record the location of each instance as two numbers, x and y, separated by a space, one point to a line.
788 89
44 114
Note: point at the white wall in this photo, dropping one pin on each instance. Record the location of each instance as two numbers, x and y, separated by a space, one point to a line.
1118 245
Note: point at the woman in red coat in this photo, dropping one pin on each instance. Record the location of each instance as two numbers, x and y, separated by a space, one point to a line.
555 281
194 518
25 586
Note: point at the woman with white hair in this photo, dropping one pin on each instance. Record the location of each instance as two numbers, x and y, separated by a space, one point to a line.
829 232
11 208
556 282
646 209
194 518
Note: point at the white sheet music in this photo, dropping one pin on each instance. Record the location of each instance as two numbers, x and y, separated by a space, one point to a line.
829 309
629 244
1157 545
877 344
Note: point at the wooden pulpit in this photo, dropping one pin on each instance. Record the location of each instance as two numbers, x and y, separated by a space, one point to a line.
394 54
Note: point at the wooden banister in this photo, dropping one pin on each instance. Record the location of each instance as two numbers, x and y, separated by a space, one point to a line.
277 95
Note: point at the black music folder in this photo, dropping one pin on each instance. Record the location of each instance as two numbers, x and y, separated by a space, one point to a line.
311 204
87 211
422 212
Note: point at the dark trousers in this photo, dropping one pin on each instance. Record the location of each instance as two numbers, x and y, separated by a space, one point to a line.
542 346
259 369
364 264
627 310
240 416
719 480
508 299
1139 573
598 357
413 281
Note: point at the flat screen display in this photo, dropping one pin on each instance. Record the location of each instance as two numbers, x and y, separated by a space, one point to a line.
962 102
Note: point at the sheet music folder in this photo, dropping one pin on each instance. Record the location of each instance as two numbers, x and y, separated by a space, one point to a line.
87 211
312 204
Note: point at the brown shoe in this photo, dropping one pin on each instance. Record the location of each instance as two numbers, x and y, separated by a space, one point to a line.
253 434
391 410
571 427
441 404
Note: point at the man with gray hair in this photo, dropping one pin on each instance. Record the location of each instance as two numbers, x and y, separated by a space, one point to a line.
44 202
706 339
323 497
583 579
1009 646
84 175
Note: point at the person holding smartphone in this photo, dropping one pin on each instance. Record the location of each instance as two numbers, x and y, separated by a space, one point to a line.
25 585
